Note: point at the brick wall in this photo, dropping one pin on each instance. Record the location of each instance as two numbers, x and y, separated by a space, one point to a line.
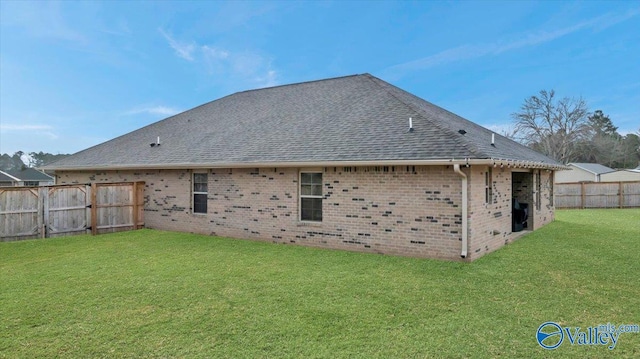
545 213
403 210
489 223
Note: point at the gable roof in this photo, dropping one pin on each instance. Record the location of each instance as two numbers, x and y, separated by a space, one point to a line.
29 174
352 119
594 168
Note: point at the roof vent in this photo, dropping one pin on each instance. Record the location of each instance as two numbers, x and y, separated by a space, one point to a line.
493 139
410 124
462 132
157 143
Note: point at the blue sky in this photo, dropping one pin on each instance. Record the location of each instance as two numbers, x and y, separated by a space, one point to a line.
75 74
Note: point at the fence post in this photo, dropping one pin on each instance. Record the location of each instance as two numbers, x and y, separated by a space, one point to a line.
582 195
42 193
620 195
45 204
94 209
135 205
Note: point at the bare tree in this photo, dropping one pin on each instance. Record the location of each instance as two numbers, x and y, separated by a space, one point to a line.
552 126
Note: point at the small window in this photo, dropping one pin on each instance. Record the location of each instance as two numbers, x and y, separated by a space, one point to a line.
551 179
538 191
311 196
487 186
31 183
200 193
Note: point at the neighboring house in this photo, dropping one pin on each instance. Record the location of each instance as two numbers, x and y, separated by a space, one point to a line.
27 177
620 176
594 172
6 180
349 163
582 172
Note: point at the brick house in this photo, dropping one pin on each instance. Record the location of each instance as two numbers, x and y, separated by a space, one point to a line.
350 163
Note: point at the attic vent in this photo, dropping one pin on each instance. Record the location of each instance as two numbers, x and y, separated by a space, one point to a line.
462 132
157 143
410 124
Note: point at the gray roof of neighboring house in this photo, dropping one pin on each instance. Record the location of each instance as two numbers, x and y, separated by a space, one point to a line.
5 177
352 118
30 174
594 168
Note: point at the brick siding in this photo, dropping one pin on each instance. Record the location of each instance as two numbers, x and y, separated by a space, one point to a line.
401 210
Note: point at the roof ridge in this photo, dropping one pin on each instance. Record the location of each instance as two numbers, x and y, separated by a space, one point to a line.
466 144
295 83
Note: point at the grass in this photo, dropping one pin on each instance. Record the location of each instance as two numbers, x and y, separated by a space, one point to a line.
161 294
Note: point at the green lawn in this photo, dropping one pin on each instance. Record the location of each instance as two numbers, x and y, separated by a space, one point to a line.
161 294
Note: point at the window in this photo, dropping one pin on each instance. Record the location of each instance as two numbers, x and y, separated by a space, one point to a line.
199 193
31 183
311 196
487 186
538 191
551 179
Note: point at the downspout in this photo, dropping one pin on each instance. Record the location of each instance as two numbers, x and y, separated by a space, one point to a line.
465 205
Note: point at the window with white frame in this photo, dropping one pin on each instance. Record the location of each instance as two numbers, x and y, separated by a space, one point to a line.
200 193
487 186
551 189
311 196
538 191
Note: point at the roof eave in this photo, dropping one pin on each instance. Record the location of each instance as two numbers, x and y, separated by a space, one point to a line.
509 163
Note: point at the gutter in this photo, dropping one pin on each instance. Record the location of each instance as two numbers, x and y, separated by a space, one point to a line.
465 208
186 165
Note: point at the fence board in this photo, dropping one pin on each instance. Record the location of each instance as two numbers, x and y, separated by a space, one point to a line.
597 195
54 211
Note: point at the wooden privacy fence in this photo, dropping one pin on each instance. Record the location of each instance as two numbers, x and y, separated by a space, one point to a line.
597 195
54 211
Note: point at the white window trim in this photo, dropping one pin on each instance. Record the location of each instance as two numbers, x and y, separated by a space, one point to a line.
300 195
537 178
488 187
193 193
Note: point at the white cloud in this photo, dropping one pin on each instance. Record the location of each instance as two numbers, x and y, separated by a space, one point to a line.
214 53
41 19
471 51
29 131
268 80
245 66
11 127
154 110
183 50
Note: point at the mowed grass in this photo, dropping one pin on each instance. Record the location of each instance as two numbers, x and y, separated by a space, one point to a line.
160 294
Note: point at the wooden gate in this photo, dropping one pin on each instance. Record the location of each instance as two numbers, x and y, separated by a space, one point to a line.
67 210
54 211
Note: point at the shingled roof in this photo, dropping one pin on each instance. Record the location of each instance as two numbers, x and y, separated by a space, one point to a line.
353 119
29 174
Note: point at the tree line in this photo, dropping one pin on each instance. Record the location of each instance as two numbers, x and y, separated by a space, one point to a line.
32 159
566 131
